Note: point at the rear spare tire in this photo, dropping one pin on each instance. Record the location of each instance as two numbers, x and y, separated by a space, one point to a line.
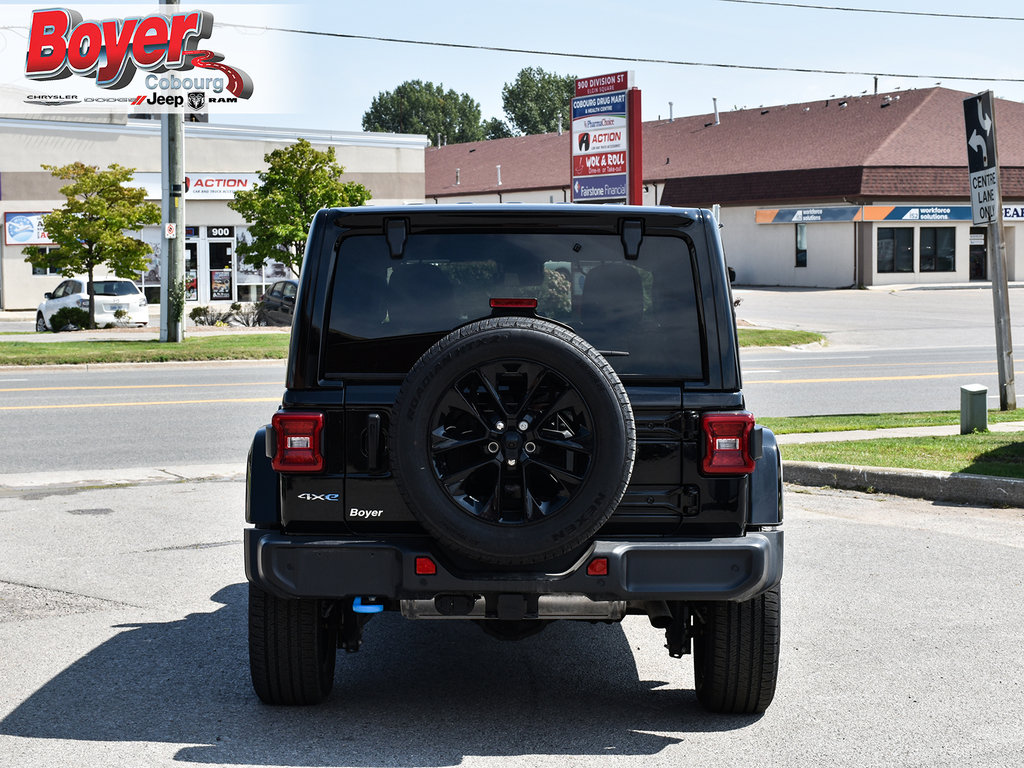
513 440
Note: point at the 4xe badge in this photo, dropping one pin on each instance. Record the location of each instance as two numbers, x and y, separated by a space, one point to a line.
320 496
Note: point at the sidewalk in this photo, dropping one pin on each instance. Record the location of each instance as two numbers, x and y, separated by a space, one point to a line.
955 487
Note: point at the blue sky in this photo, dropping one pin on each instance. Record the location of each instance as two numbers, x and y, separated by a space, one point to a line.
327 83
695 30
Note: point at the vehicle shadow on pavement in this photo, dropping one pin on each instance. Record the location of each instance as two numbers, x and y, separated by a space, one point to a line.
418 694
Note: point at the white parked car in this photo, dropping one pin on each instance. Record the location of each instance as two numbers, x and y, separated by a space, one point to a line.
111 295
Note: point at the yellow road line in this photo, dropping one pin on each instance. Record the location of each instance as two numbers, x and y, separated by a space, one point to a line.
151 402
876 365
143 386
870 378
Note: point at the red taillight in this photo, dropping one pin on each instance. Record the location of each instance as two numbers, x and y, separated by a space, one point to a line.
298 442
727 443
598 567
513 303
425 566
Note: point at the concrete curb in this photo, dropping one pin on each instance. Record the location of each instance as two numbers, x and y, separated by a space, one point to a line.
916 483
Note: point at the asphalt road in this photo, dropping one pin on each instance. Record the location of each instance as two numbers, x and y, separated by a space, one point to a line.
887 351
122 619
102 417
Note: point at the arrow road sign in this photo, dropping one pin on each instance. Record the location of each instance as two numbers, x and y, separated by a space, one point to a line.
980 125
981 132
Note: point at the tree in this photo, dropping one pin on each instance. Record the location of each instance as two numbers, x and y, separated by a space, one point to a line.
298 182
418 107
536 100
496 128
89 229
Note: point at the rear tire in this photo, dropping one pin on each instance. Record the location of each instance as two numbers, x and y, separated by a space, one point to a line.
292 648
736 654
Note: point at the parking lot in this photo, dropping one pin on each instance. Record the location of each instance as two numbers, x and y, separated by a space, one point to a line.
901 646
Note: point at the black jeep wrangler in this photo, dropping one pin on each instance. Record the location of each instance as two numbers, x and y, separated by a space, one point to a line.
510 415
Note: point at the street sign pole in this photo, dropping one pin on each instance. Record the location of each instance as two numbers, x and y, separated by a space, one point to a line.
987 208
1001 307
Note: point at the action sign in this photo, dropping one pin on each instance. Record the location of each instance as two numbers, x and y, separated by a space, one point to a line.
979 119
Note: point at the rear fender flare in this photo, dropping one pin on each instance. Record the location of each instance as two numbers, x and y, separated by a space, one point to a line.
262 496
766 483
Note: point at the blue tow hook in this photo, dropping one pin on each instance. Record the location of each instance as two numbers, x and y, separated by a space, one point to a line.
358 607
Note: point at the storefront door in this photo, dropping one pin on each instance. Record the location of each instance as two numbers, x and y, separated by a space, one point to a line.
979 254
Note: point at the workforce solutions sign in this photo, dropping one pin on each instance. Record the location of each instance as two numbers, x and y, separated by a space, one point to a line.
601 138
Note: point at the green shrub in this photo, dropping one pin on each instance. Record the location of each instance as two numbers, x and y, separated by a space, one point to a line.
69 319
249 315
208 316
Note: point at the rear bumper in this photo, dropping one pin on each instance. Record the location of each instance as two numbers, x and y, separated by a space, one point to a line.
676 569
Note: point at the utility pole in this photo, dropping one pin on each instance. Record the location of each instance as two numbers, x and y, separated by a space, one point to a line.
987 208
172 272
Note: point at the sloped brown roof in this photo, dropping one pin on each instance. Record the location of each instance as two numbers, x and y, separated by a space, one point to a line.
900 144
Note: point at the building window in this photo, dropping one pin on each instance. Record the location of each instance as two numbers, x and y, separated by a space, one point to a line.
45 270
895 249
938 249
801 245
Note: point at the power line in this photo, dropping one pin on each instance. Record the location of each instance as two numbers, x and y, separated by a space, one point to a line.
627 59
931 14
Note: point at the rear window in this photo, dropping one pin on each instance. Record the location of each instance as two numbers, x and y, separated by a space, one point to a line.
113 288
642 314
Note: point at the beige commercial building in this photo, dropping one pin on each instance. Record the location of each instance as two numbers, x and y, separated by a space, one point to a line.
219 160
858 190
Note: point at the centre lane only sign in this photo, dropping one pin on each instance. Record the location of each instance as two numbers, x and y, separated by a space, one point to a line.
982 165
600 138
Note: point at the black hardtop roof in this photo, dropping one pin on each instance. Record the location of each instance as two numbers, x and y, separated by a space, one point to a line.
521 209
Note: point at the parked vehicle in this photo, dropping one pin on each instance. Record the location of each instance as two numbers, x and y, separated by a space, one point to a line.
513 415
279 302
111 294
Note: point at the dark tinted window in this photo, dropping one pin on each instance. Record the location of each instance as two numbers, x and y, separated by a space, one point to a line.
114 288
938 249
895 249
386 312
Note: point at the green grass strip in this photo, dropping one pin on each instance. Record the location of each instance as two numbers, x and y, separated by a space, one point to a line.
258 346
785 425
770 337
1000 454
